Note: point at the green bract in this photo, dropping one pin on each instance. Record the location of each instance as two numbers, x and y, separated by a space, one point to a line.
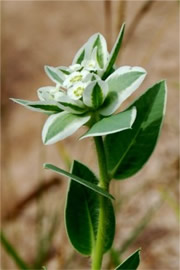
91 88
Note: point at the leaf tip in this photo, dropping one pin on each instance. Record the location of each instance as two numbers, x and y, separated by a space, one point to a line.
45 166
161 82
83 137
44 139
164 83
122 29
133 115
14 100
123 26
46 69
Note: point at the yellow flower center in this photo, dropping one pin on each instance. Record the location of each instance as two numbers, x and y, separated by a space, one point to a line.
76 78
79 90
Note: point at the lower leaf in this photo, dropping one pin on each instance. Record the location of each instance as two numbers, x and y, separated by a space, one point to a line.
79 180
82 211
131 263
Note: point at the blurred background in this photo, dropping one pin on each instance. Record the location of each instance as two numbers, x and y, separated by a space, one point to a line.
38 33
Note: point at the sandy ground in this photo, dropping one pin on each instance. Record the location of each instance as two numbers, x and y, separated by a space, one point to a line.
35 33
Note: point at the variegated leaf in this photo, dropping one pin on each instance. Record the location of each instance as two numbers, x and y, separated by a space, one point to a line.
61 125
72 106
113 124
122 83
39 106
95 94
54 74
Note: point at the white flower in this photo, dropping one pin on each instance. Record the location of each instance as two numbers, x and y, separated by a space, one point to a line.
75 92
91 63
75 77
75 67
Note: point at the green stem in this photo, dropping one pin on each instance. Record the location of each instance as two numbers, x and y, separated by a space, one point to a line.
103 175
98 251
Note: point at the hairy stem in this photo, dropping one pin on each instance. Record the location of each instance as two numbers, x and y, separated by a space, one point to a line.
98 251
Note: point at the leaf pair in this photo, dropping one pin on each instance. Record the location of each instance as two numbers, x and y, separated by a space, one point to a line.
82 209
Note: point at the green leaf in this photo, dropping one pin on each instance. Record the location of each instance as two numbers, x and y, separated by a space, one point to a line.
13 252
72 106
79 57
122 83
54 74
110 105
131 263
64 69
81 213
61 125
101 45
112 124
79 180
129 150
126 79
114 52
39 106
95 93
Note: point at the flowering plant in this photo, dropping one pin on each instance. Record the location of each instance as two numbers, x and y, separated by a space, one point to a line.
89 92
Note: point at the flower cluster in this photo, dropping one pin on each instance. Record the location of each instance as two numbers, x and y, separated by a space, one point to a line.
90 84
79 87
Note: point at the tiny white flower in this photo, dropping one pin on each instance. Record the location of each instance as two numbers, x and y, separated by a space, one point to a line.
50 93
75 92
90 65
75 77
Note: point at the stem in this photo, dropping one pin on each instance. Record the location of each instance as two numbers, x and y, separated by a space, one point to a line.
98 251
103 175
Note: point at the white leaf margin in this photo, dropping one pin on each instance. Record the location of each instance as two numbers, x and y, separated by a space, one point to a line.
95 134
68 130
125 93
